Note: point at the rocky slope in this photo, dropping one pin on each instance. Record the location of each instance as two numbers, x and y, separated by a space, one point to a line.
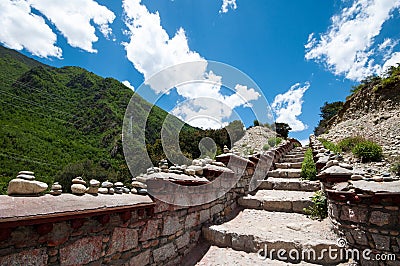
253 140
372 112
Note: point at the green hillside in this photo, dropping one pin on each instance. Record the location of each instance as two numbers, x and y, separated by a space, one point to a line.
64 122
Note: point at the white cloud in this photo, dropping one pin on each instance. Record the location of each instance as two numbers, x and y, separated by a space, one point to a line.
226 4
347 48
203 113
22 29
128 84
151 50
304 142
73 18
287 106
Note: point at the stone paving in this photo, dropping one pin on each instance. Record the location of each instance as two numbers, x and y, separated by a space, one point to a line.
272 219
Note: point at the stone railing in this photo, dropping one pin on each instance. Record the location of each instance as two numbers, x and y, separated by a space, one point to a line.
369 220
365 213
115 229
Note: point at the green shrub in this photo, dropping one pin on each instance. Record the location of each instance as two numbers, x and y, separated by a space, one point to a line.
330 145
266 147
348 144
4 184
296 145
319 208
274 141
395 168
308 169
368 151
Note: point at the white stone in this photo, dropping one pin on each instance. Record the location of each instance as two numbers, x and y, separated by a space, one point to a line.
56 186
106 184
26 177
103 190
26 173
19 186
138 184
94 183
118 184
78 180
78 189
92 190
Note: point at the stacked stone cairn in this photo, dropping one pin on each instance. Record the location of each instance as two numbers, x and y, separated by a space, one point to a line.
226 150
56 189
177 169
163 165
106 188
118 187
78 186
138 187
93 187
25 184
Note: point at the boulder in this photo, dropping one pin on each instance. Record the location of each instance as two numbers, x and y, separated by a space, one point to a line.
19 186
78 189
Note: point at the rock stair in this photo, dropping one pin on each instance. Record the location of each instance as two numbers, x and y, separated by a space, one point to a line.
272 219
277 200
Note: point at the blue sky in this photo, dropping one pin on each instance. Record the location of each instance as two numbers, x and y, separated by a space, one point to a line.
298 53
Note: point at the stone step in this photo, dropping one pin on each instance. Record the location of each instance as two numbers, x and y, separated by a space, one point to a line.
289 184
228 257
253 230
278 200
292 160
288 165
287 156
285 173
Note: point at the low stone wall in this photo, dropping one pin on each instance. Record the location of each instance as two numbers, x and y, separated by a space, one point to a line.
368 221
95 230
366 213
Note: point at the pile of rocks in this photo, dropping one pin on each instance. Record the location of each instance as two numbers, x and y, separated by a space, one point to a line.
253 141
93 187
25 184
106 188
163 165
78 186
56 189
138 187
119 188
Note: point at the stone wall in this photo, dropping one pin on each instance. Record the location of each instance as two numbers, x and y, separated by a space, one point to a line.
367 221
365 213
141 233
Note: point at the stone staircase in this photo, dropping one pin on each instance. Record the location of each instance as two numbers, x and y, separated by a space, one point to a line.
272 219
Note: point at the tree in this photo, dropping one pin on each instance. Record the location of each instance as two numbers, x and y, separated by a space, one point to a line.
282 129
328 110
256 123
235 130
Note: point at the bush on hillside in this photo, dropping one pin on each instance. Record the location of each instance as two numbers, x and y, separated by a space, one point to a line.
266 147
308 169
348 144
274 141
87 170
368 151
319 208
330 145
395 168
